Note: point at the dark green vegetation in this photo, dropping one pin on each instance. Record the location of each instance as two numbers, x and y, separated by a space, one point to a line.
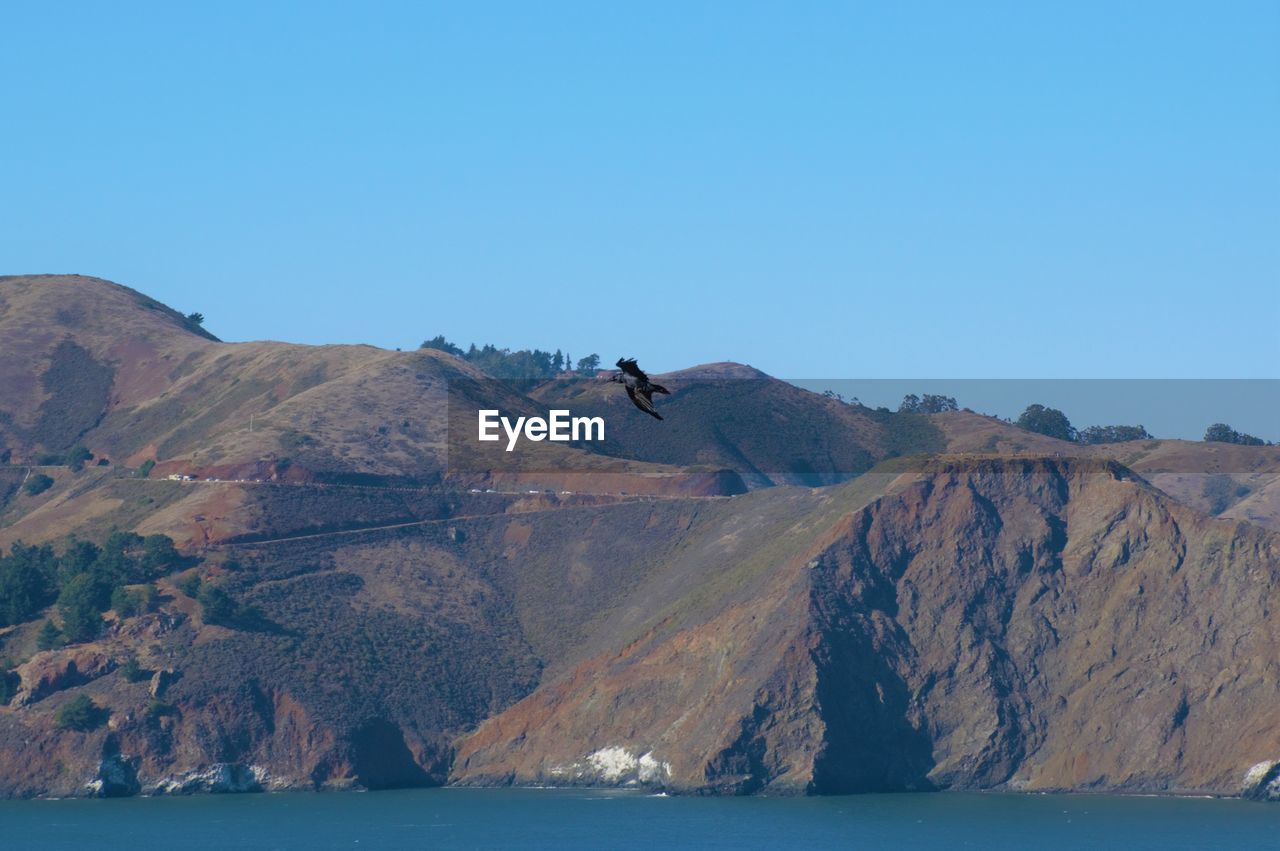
1054 423
37 484
1047 421
928 404
85 579
80 713
220 608
1223 433
515 365
49 637
132 671
1113 434
9 682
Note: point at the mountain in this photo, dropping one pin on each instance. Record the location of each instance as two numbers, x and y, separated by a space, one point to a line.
769 591
768 431
1019 624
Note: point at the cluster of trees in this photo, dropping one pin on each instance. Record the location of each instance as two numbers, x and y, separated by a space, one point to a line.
84 579
76 458
1113 434
1223 433
219 607
1054 423
927 404
521 364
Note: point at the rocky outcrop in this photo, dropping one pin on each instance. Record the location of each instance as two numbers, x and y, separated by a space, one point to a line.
219 777
160 682
55 670
1262 781
117 778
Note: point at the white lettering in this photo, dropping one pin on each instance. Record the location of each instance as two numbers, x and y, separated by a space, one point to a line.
588 423
560 427
487 422
513 434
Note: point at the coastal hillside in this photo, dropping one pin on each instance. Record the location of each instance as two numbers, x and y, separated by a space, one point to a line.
256 566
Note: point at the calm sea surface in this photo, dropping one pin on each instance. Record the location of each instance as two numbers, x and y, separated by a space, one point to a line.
538 818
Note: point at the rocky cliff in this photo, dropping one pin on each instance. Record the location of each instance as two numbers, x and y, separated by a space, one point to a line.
775 592
1028 624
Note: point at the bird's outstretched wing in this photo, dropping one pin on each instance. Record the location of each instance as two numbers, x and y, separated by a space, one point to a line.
628 365
642 401
658 388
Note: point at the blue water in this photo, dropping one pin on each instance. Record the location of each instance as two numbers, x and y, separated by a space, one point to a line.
538 818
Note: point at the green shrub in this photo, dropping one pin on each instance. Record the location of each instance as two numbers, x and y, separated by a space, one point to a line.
132 671
145 469
49 637
216 606
158 709
9 682
80 713
37 483
77 458
189 584
125 603
158 554
146 599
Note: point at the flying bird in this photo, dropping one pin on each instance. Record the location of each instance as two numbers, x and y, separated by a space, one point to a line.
639 388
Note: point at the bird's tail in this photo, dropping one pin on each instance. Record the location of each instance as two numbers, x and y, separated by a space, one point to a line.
658 388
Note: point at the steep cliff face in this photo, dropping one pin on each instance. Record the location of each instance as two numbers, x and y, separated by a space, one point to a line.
1028 624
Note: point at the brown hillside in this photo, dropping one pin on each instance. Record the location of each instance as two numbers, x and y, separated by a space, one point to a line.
729 415
1025 624
898 602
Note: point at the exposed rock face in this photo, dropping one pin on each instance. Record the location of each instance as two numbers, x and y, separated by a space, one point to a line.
1024 625
117 778
160 682
1262 782
55 670
220 777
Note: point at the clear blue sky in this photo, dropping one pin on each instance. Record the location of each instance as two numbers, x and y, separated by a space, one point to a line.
821 190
